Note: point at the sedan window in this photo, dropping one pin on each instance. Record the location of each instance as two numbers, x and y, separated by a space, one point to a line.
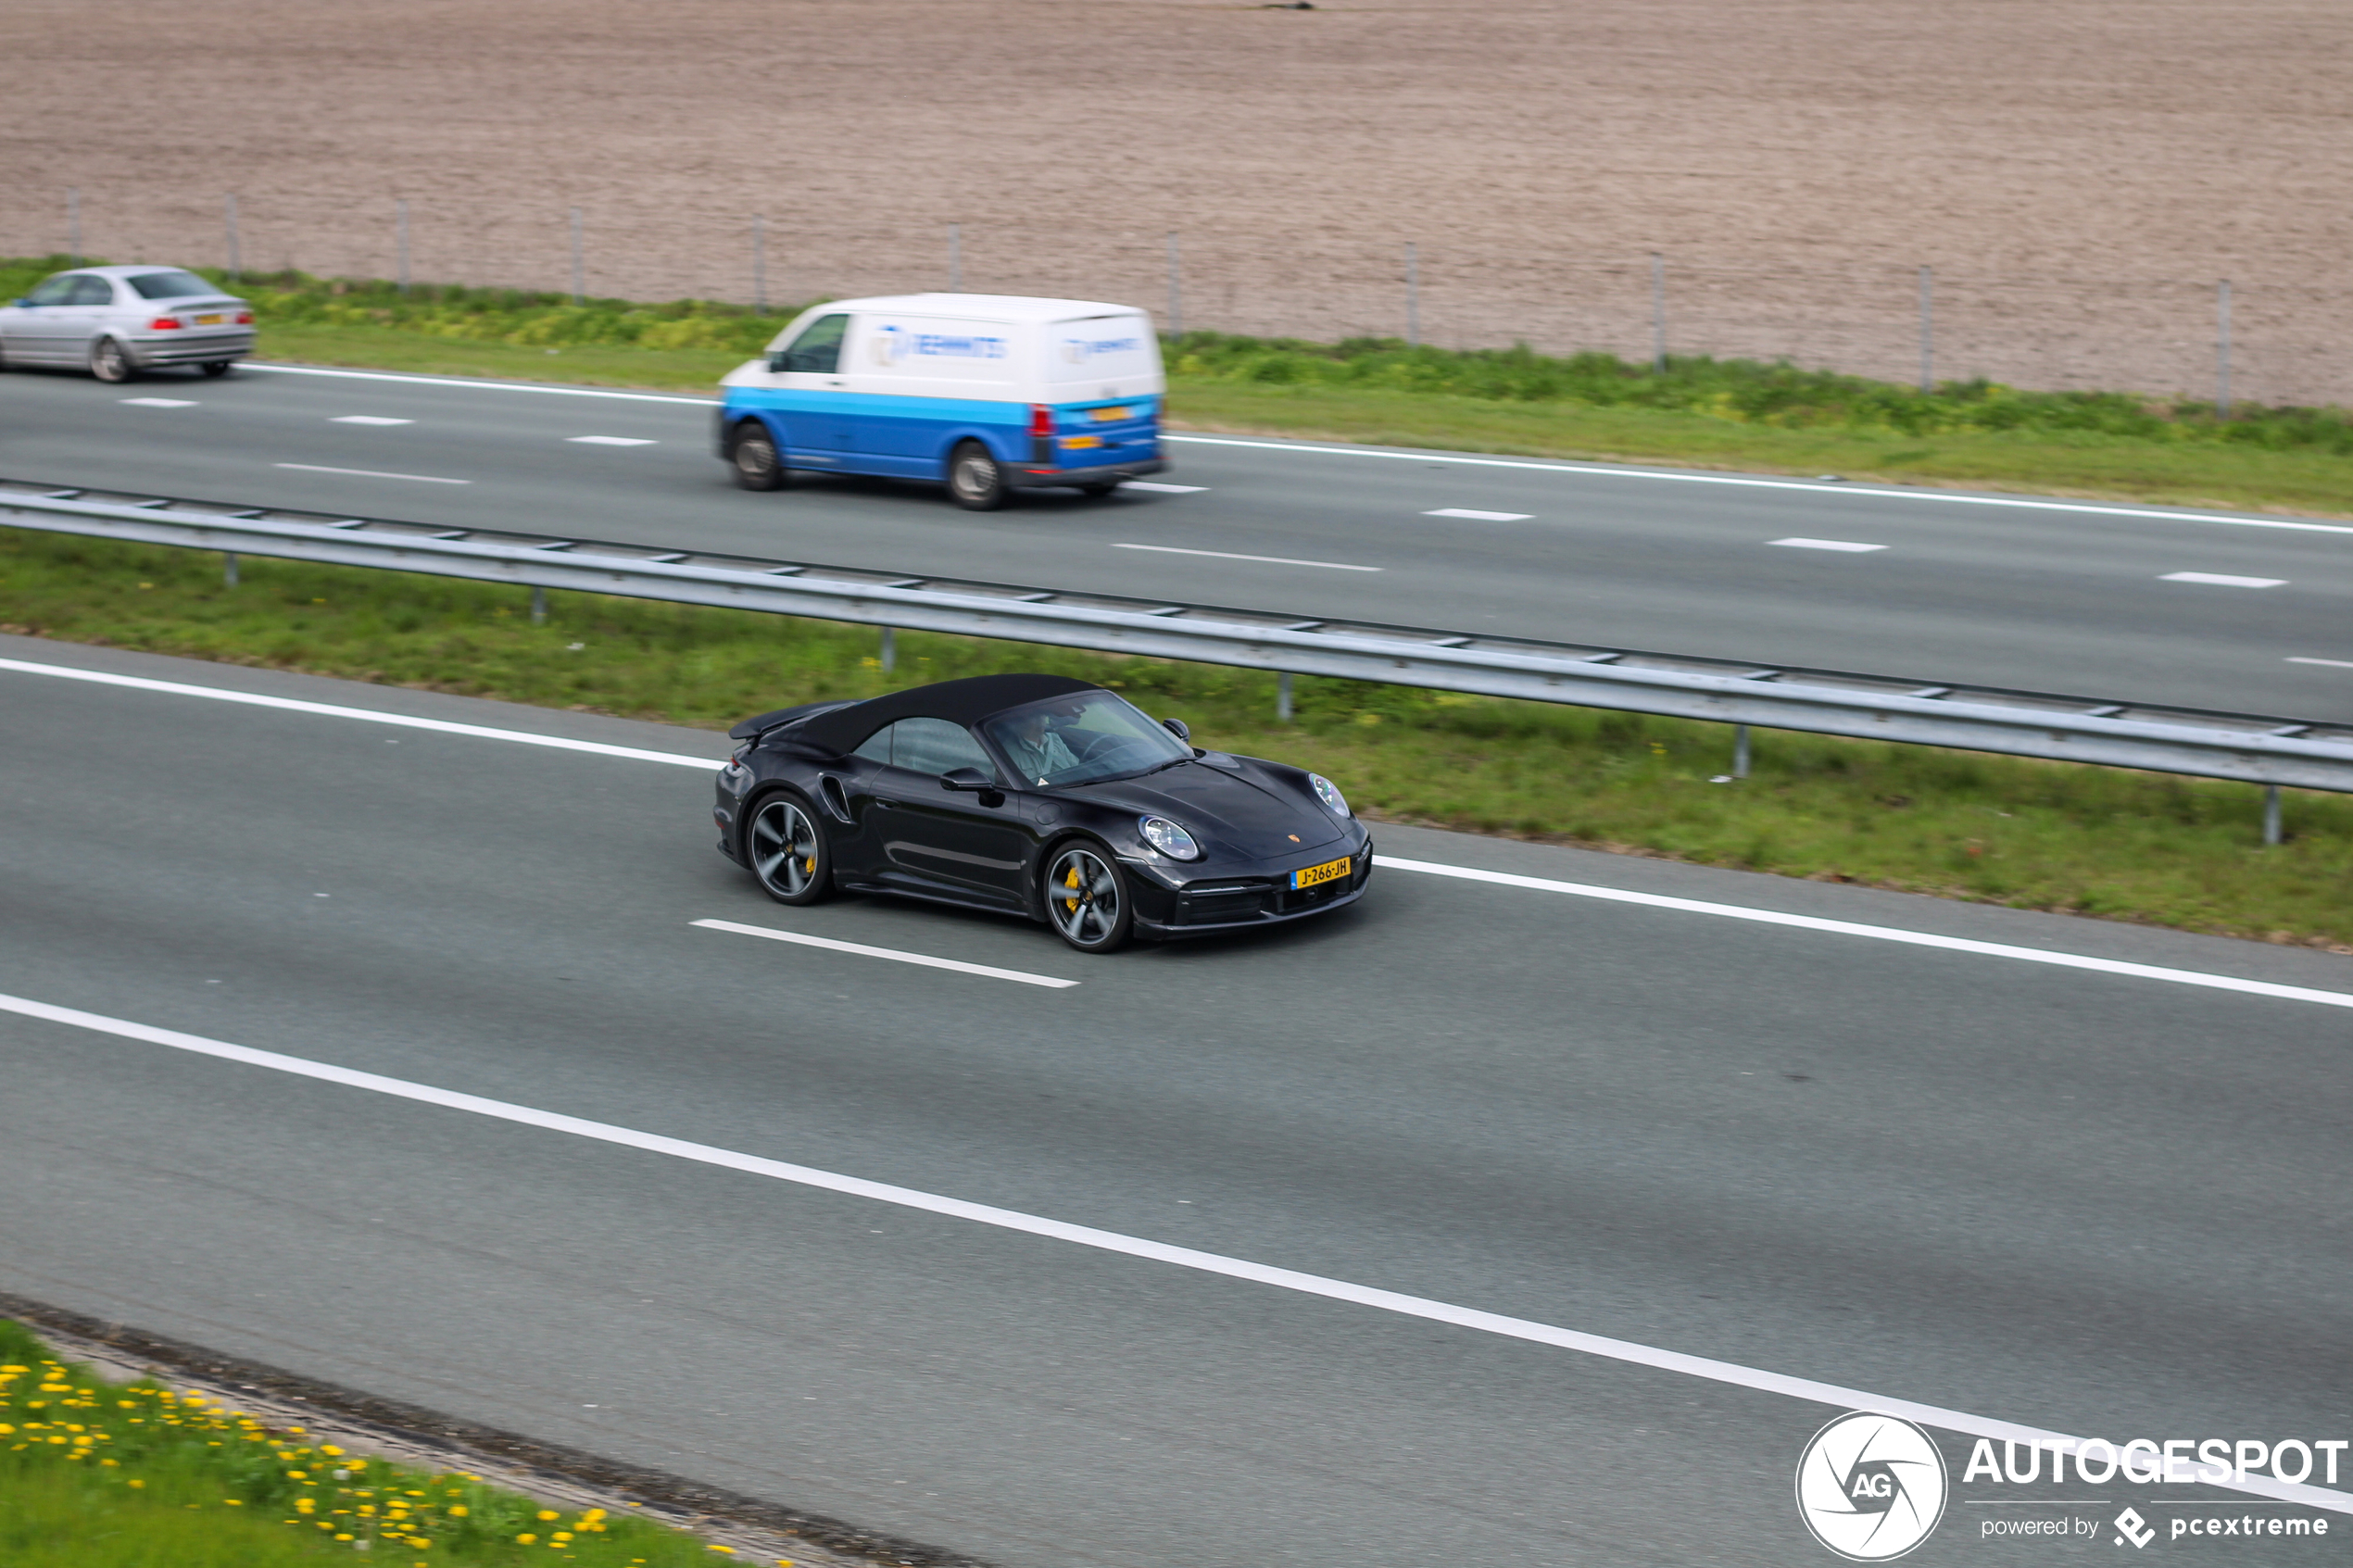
53 291
170 286
88 290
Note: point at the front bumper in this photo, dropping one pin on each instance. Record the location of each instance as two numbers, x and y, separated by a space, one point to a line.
1033 476
1209 906
197 346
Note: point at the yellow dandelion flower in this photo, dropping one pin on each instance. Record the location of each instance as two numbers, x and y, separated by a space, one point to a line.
457 1509
527 1538
725 1548
138 1483
329 1448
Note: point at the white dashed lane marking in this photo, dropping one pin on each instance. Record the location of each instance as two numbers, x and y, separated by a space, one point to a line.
1847 545
2223 579
1478 516
369 473
1159 489
612 440
161 402
368 420
1263 560
2332 663
923 960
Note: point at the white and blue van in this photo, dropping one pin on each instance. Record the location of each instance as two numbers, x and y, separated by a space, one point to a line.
988 392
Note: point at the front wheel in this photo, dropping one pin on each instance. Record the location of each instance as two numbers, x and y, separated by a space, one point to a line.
1087 900
110 362
752 457
218 367
975 480
787 851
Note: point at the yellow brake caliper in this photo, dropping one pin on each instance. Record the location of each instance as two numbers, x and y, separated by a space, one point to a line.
1071 905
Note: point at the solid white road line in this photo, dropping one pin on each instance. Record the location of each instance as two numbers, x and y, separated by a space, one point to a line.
371 473
368 420
1157 488
893 954
1728 1373
159 402
2221 580
1265 560
367 715
612 440
1481 517
474 384
1881 933
1675 476
1846 544
2332 663
1505 879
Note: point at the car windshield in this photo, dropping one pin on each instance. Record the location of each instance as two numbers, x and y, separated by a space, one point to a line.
1081 738
170 286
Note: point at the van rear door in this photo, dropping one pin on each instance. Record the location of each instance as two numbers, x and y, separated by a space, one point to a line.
1105 375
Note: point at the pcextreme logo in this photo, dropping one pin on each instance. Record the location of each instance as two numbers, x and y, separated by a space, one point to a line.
1871 1487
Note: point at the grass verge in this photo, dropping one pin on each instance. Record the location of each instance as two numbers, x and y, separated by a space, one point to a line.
2093 841
1698 411
132 1475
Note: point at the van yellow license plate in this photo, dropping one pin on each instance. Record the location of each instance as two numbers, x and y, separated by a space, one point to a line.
1331 871
1109 416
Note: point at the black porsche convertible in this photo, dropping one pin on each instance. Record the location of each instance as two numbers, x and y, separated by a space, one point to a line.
1036 795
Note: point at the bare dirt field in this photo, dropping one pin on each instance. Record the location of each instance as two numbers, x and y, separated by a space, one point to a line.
2080 173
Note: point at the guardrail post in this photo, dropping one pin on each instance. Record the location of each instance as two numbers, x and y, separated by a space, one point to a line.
538 607
1282 696
890 649
2271 814
229 569
1739 751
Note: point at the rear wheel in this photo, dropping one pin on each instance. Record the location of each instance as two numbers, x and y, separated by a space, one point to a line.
218 367
110 362
1086 902
786 851
1097 492
754 459
975 480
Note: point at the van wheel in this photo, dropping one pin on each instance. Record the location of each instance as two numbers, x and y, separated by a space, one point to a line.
975 480
752 457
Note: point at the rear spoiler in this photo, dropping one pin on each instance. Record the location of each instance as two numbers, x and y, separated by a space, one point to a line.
784 718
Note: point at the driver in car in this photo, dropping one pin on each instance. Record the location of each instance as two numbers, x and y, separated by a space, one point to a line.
1034 748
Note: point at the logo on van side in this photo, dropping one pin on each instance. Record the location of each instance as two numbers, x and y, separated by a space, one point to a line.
1078 350
893 344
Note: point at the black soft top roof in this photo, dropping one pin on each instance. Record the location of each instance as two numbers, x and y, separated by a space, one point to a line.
963 702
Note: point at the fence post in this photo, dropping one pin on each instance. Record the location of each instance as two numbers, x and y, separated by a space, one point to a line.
955 258
228 569
1413 296
1658 314
577 293
760 264
538 605
1176 295
400 209
1739 751
2223 350
230 206
74 225
2271 814
890 649
1282 696
1928 331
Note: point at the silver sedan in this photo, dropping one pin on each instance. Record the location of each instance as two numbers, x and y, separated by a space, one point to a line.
115 322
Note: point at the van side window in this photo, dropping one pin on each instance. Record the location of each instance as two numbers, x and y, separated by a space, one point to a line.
819 348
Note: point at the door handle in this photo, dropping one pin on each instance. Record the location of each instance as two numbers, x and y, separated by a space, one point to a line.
882 805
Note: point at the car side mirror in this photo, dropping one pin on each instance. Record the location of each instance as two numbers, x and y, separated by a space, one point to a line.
25 302
776 361
1176 727
967 781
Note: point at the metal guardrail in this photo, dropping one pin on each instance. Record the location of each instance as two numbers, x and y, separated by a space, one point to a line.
2170 740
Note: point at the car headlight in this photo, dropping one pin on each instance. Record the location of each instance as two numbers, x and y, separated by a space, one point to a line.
1169 838
1328 793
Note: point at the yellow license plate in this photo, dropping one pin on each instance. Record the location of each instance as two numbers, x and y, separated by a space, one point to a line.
1109 416
210 320
1331 871
1080 442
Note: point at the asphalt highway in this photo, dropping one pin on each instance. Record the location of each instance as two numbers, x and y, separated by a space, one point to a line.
2081 1200
1949 588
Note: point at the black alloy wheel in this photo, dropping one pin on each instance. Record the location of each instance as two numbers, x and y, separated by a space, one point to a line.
787 851
754 459
110 362
218 367
975 480
1086 902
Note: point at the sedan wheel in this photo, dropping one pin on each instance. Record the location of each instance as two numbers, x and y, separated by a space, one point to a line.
217 367
787 851
1087 900
109 361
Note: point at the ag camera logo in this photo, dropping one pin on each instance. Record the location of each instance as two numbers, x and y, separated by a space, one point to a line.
1871 1488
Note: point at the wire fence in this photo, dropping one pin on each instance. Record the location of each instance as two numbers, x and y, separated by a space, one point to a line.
2249 339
